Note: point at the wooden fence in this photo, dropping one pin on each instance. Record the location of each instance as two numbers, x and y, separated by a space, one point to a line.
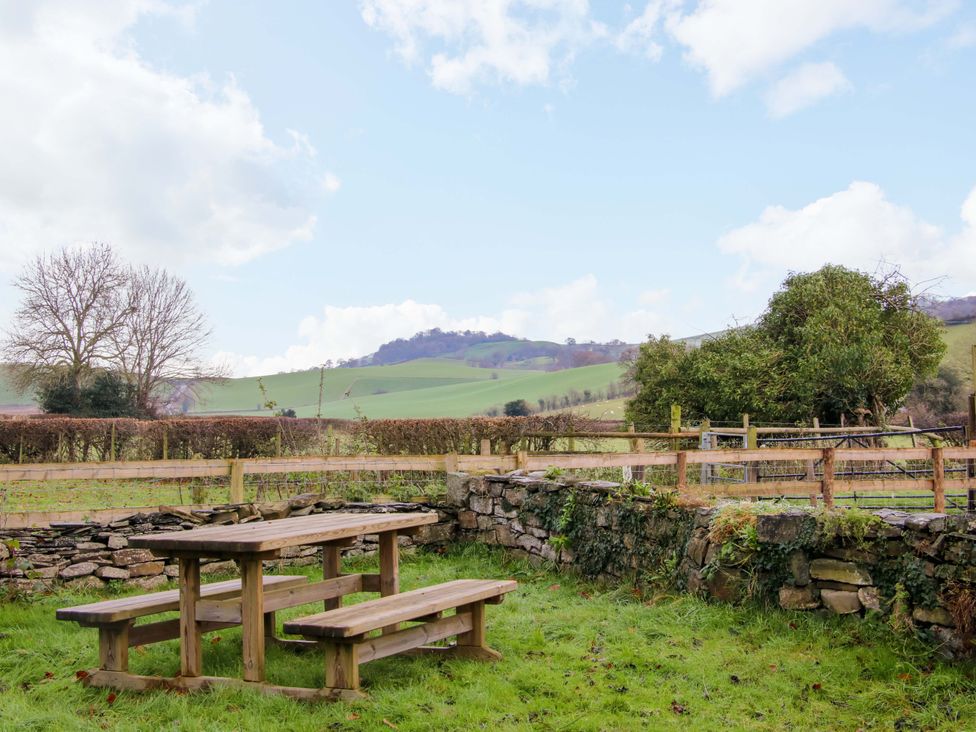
826 487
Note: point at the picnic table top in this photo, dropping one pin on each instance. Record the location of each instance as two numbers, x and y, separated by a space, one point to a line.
265 536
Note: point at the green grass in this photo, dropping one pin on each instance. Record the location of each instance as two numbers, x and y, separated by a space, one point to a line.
576 657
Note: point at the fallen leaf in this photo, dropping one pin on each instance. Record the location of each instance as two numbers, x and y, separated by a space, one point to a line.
793 626
735 679
816 687
905 677
215 640
772 667
352 716
141 650
585 595
677 708
79 675
390 724
111 697
48 675
553 587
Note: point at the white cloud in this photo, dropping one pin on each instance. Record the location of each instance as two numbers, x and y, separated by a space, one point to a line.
477 41
331 182
98 145
577 309
805 86
857 227
639 35
964 37
735 41
653 297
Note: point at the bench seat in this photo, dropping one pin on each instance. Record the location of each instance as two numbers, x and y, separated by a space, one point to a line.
115 618
343 631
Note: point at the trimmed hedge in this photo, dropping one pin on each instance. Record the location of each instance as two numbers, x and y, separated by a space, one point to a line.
73 439
463 436
51 438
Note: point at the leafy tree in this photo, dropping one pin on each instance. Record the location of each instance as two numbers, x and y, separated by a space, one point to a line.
831 342
517 408
849 342
104 394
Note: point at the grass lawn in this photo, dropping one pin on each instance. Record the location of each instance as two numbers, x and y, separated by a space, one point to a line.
577 657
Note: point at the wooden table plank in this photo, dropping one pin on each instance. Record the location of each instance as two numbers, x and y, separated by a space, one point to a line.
264 536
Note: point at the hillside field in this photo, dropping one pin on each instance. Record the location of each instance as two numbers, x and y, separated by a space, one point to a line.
960 339
422 388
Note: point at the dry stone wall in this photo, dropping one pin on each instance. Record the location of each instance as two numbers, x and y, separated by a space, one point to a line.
917 570
93 555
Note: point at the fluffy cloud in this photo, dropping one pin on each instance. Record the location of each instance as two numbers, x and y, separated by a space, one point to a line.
476 41
734 41
577 309
857 227
464 43
98 145
805 86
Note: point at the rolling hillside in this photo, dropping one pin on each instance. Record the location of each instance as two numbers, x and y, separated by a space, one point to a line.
960 339
423 388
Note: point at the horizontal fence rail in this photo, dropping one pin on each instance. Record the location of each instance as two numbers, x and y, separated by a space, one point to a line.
821 478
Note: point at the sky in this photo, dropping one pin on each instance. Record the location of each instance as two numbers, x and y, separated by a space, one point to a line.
328 176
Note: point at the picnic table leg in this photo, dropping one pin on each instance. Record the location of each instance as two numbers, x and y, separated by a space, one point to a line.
389 570
330 569
252 618
191 653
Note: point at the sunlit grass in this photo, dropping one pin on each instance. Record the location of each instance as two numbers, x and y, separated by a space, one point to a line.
576 657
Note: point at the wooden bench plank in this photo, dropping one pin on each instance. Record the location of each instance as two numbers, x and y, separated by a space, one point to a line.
371 615
263 536
229 611
404 640
126 608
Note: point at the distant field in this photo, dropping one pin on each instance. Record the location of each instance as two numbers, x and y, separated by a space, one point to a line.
450 398
960 339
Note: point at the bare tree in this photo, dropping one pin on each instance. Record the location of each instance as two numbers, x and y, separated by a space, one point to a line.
74 303
159 343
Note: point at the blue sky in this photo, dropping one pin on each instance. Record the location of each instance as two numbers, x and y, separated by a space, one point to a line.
328 176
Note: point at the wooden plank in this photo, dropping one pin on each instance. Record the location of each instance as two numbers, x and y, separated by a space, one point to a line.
229 611
888 453
115 470
827 485
716 457
164 630
260 536
605 460
113 646
136 606
191 649
389 571
252 619
331 561
236 481
387 645
628 435
938 482
373 614
133 682
476 635
682 471
342 665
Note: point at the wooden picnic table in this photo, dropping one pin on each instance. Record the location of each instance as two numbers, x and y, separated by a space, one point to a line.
252 543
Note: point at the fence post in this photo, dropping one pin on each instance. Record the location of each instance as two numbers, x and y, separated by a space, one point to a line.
521 460
165 444
752 443
20 452
682 471
827 484
636 445
485 446
451 462
938 479
571 446
278 442
236 481
111 453
675 418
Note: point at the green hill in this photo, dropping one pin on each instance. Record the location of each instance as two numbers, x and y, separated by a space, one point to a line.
423 388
